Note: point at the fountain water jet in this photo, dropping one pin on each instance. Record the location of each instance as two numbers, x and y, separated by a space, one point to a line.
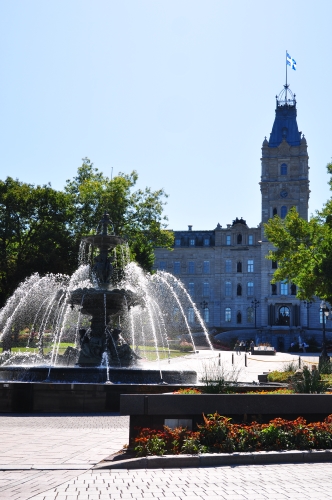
88 307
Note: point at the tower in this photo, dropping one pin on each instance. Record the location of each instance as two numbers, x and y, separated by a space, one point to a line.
284 184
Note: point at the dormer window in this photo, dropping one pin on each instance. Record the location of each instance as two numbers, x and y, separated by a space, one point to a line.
192 242
239 239
283 169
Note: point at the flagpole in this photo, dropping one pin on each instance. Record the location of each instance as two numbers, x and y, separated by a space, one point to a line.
286 79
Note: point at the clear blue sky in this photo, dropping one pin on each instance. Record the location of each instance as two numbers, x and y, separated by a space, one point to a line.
181 91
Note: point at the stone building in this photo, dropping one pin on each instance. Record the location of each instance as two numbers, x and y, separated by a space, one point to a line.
225 270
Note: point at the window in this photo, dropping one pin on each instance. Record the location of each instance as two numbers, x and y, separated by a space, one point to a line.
206 289
283 288
206 314
228 239
274 289
191 267
228 314
274 264
177 242
283 212
228 288
162 265
283 169
228 266
250 266
239 318
176 268
250 315
239 239
206 267
176 314
250 239
206 242
191 289
293 289
192 242
239 289
191 315
283 317
275 211
250 288
239 267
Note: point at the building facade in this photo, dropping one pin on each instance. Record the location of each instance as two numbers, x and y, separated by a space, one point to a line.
225 270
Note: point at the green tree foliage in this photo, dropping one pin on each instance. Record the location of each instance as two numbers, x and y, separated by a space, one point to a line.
35 233
40 228
136 215
304 250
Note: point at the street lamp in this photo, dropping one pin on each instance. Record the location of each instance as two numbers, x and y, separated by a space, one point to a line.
324 357
307 305
255 304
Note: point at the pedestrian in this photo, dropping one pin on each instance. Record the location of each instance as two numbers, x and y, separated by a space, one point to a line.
252 347
237 347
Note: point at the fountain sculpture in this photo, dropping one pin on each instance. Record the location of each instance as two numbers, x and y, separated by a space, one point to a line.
111 309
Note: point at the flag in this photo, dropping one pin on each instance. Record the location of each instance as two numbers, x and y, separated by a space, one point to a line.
290 62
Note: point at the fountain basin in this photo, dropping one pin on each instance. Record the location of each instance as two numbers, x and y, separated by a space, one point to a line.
94 375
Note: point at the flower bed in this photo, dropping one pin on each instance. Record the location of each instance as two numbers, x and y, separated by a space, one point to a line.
219 434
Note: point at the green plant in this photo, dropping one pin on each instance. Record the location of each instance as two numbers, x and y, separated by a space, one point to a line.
219 377
282 377
308 382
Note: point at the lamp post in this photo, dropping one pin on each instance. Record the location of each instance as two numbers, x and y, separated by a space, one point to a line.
307 305
324 357
255 304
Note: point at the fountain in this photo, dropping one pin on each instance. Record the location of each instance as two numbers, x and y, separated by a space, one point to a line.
111 310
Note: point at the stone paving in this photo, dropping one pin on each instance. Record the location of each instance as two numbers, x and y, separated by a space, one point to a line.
51 457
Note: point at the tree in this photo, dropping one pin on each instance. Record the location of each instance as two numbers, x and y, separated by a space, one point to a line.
304 250
34 233
136 215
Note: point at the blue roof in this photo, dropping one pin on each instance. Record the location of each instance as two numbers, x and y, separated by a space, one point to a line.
285 127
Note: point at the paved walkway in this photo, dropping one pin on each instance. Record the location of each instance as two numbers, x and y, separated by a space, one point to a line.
50 457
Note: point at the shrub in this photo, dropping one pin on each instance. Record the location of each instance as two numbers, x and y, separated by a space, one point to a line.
219 434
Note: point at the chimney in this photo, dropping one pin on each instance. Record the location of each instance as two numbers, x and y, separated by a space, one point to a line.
190 228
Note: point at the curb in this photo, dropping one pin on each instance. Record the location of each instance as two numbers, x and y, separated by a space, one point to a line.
219 459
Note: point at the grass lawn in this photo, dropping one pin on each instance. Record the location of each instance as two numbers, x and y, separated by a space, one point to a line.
148 352
63 346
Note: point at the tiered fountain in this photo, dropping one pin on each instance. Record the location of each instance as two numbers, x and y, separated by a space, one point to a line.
110 307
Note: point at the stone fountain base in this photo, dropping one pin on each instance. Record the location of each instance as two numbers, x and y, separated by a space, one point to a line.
94 375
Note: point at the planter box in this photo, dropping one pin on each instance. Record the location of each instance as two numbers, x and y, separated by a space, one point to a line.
152 410
265 351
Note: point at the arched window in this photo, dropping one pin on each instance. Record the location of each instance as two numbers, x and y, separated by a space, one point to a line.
239 267
283 169
239 239
228 314
283 212
250 315
239 318
239 289
206 314
293 289
275 211
284 317
274 289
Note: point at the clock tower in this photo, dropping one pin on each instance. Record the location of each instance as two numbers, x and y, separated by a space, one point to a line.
284 184
284 181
